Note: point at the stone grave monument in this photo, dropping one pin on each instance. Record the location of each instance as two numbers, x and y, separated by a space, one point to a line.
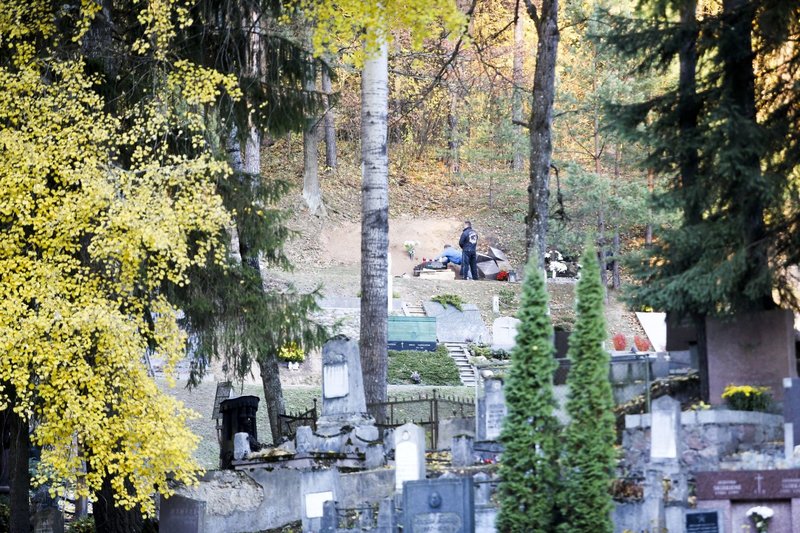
409 454
316 488
791 416
734 492
178 514
343 400
492 410
436 505
504 333
703 521
664 469
751 349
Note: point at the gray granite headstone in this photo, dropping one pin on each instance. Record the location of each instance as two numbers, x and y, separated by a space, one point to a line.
374 456
791 415
463 451
494 404
665 426
439 505
303 439
453 325
409 454
483 488
48 521
241 446
178 514
316 488
343 400
504 333
702 521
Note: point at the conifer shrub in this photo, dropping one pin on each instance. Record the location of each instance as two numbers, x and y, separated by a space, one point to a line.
588 457
529 473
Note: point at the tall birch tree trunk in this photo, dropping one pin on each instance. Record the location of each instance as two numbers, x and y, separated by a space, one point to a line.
312 193
330 120
518 80
374 224
541 129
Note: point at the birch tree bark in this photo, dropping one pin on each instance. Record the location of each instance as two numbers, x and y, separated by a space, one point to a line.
330 121
374 224
312 193
541 123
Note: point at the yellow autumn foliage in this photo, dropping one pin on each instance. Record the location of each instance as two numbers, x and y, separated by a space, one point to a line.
87 242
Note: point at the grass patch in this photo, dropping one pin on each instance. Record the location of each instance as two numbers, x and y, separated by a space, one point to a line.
434 368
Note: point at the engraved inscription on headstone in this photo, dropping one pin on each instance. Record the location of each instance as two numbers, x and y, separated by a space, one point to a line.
443 505
748 485
334 381
704 521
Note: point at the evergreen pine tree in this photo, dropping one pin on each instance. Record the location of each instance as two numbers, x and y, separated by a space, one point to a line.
588 458
529 469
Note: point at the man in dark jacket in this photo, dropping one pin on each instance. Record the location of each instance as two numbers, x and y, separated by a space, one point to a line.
469 244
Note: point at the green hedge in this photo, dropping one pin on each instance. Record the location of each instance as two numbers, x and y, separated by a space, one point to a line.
434 368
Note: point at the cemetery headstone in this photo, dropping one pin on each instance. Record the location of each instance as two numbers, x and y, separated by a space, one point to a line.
748 485
756 349
178 514
409 454
462 451
483 488
665 428
504 333
702 521
48 521
443 505
343 400
791 415
241 446
494 405
316 488
412 333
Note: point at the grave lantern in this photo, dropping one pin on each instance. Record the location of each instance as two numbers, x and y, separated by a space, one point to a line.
238 416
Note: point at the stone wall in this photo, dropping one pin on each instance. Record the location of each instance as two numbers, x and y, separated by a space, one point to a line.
707 438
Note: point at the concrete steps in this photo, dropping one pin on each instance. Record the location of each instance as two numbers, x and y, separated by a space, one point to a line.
413 310
460 354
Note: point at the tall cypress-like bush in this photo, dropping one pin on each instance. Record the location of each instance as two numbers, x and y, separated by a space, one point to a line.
529 468
588 459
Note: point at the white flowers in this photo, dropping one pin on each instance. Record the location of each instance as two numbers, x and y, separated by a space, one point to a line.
760 515
409 246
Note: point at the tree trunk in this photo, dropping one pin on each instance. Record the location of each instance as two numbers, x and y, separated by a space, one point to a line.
374 225
312 193
541 131
454 141
18 476
651 187
518 80
687 123
330 121
111 518
736 49
615 279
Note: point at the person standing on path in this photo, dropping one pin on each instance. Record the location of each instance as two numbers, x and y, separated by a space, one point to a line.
469 255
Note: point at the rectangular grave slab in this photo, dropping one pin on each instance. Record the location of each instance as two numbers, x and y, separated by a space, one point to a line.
444 505
412 333
495 406
178 514
704 521
751 349
748 485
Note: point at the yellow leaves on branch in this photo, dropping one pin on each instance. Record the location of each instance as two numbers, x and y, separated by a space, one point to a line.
372 21
87 242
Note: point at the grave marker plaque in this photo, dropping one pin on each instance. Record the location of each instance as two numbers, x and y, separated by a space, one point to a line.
412 333
705 521
443 505
181 515
409 454
495 405
748 485
666 423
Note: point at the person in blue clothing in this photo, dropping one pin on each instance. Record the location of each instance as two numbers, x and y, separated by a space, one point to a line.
469 255
449 255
